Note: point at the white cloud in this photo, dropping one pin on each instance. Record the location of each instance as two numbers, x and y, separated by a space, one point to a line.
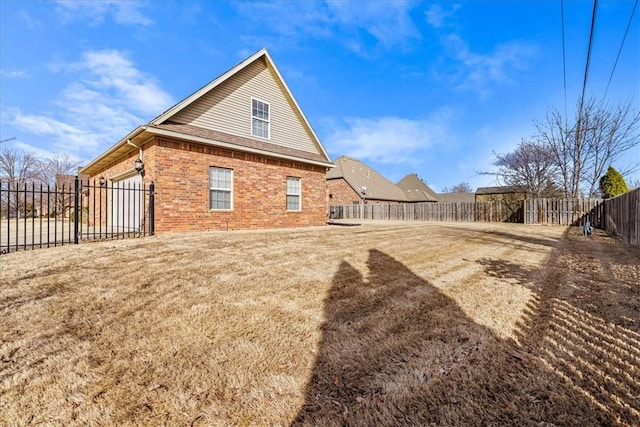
436 15
29 21
95 12
472 71
113 74
390 140
14 74
108 98
65 136
44 153
388 22
480 72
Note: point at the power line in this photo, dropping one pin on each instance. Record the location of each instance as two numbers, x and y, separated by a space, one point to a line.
586 68
635 5
564 57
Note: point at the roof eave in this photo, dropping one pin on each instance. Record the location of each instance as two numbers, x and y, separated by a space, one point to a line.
103 158
207 141
293 99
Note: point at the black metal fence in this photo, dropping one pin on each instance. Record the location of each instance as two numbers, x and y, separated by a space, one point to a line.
34 215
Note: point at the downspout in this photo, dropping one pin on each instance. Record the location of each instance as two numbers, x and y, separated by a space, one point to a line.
134 145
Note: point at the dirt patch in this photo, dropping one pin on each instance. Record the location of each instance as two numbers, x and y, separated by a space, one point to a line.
393 324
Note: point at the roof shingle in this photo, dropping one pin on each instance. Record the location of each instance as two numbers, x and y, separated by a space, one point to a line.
416 189
360 176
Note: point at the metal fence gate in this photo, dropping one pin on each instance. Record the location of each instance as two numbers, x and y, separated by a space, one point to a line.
34 215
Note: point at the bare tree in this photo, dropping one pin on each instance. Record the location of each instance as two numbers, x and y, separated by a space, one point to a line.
57 166
530 166
463 187
610 133
60 170
569 152
17 168
583 148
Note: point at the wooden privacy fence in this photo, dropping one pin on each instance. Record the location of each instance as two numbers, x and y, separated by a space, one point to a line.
622 217
497 211
563 211
618 216
530 211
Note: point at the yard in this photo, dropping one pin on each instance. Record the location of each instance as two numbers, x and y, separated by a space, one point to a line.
382 324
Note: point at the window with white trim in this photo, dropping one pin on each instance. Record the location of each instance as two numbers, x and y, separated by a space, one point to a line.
293 194
220 188
259 119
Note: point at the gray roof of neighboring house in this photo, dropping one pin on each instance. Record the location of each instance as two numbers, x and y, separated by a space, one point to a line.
456 197
359 175
499 190
416 189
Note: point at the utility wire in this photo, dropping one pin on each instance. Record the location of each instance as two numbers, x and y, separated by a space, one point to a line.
635 5
564 57
586 72
586 68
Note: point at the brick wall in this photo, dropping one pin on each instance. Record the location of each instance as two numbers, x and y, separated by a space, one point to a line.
96 199
341 193
180 171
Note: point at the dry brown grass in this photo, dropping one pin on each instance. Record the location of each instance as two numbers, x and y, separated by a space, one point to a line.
394 324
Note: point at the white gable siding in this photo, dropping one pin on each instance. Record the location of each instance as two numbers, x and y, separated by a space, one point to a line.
227 108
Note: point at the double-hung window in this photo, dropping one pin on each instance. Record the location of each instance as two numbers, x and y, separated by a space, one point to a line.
259 119
221 188
293 194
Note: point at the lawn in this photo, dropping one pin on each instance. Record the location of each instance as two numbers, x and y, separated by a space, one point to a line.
382 324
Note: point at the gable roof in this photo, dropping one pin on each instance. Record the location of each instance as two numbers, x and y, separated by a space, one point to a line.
359 175
416 189
163 125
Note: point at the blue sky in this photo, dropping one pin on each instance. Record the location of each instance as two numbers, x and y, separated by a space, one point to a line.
433 88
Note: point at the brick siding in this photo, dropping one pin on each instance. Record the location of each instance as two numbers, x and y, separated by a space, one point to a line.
341 193
180 171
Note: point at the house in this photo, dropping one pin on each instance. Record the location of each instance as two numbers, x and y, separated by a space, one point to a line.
351 181
456 197
501 193
238 153
416 190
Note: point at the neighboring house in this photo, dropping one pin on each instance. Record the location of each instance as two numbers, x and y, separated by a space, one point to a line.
456 197
351 181
416 190
237 153
502 193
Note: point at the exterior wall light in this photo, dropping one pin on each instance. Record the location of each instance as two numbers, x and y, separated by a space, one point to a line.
139 165
101 180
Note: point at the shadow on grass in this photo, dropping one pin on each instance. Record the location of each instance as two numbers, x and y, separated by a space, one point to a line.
502 236
584 323
397 351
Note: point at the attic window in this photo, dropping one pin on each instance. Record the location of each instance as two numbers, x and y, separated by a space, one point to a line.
259 119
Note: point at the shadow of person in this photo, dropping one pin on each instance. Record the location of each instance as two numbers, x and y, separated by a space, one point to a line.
397 351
